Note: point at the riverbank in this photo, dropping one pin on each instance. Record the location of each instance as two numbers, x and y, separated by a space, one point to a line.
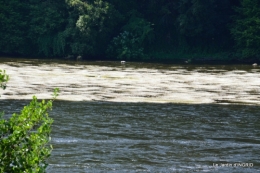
174 57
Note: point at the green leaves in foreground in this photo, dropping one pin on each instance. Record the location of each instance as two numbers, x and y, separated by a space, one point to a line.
24 138
3 79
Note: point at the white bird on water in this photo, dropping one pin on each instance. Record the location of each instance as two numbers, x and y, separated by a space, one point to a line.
255 64
122 62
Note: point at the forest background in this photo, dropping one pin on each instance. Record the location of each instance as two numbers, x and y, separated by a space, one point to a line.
135 30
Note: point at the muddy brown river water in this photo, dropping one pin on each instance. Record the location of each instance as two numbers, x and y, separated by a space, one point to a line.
143 117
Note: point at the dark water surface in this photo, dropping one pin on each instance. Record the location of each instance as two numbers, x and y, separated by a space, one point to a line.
150 137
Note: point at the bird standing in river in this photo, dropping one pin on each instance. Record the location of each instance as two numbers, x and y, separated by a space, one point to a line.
79 58
188 61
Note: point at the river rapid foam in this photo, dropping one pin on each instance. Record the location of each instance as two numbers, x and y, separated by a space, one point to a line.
132 82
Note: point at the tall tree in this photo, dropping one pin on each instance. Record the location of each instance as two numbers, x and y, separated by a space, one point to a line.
246 29
203 22
90 26
13 27
47 20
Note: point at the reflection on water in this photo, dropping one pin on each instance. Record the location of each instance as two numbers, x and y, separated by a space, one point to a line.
149 137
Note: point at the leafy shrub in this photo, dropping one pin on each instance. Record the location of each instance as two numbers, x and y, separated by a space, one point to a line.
3 79
24 137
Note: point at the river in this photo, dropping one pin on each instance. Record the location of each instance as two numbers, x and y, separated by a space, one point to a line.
143 117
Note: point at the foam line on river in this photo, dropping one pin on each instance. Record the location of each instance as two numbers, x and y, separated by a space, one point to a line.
133 82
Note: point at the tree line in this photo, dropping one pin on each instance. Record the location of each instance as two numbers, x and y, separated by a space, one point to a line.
131 30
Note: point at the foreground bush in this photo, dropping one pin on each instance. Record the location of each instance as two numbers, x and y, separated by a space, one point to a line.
24 138
3 79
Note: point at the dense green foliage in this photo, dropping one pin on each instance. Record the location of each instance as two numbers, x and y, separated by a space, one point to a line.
246 29
134 30
3 79
24 137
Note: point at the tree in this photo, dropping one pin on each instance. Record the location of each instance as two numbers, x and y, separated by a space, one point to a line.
203 23
130 43
32 28
246 29
90 26
58 28
47 21
14 26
